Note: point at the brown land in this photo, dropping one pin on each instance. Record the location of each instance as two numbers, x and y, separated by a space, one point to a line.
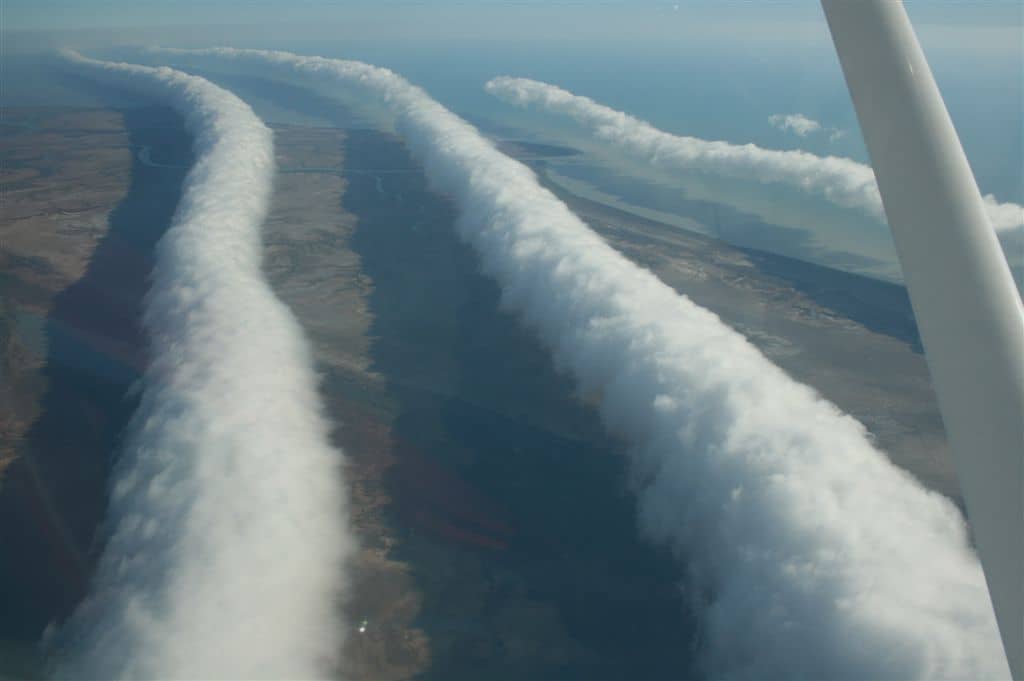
311 264
80 217
62 175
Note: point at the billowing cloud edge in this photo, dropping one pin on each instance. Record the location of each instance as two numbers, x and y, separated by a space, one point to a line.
227 515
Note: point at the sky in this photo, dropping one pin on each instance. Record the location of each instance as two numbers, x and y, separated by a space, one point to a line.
989 24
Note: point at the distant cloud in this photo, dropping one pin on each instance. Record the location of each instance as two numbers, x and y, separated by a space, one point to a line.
228 532
796 123
842 181
804 550
802 126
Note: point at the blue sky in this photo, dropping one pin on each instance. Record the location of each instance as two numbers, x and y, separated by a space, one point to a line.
510 20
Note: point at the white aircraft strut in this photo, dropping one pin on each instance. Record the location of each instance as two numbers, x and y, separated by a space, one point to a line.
967 307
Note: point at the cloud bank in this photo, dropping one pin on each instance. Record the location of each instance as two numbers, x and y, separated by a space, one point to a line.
227 514
806 552
840 180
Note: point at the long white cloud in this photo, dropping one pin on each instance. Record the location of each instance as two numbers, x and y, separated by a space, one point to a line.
808 554
840 180
227 512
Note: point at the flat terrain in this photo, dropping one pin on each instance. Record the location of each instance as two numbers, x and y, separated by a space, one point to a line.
497 535
80 216
61 176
